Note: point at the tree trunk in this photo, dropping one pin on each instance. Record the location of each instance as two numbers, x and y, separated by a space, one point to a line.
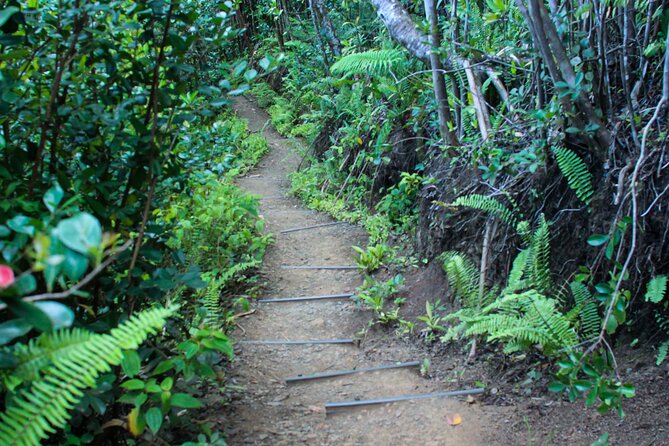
438 82
327 28
548 43
402 28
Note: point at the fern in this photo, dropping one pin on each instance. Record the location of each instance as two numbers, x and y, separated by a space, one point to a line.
524 320
540 257
656 288
489 205
374 62
463 277
587 306
576 171
39 353
662 352
516 281
34 413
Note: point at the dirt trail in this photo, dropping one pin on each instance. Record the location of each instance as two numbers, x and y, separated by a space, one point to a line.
271 412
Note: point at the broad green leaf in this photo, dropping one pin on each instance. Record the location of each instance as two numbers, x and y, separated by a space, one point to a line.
81 233
597 239
30 313
185 401
53 196
131 364
22 225
264 63
61 315
556 386
11 330
250 75
627 390
7 13
154 419
133 384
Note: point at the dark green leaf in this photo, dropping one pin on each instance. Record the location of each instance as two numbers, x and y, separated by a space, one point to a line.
154 419
133 384
597 239
61 315
30 313
11 330
131 364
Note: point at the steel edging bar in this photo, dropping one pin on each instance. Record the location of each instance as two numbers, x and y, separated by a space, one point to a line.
304 228
323 341
320 267
293 379
297 299
348 404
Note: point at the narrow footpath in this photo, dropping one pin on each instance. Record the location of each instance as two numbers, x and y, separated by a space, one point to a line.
270 411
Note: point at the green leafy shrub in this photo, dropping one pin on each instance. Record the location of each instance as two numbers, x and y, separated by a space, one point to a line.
374 295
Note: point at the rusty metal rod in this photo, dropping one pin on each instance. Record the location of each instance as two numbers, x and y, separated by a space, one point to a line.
323 341
293 379
304 228
348 404
320 267
297 299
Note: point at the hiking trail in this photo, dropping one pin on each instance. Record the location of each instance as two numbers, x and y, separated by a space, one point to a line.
269 411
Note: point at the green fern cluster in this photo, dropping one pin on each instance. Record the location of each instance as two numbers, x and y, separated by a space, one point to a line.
374 62
576 171
520 315
59 367
521 321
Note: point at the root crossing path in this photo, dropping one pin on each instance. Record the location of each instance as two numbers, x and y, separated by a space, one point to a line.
270 411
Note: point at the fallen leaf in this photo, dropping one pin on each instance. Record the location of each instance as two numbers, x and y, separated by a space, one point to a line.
454 419
316 409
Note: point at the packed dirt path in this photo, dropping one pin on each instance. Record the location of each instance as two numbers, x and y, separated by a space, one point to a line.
270 412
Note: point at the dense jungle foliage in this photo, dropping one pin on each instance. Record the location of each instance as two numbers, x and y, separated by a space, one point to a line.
522 144
126 247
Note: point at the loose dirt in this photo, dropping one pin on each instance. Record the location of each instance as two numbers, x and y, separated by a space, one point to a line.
269 411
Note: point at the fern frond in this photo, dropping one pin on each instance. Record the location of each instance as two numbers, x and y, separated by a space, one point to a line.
517 272
540 275
590 319
576 171
656 288
34 413
41 352
463 277
662 352
374 62
489 205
